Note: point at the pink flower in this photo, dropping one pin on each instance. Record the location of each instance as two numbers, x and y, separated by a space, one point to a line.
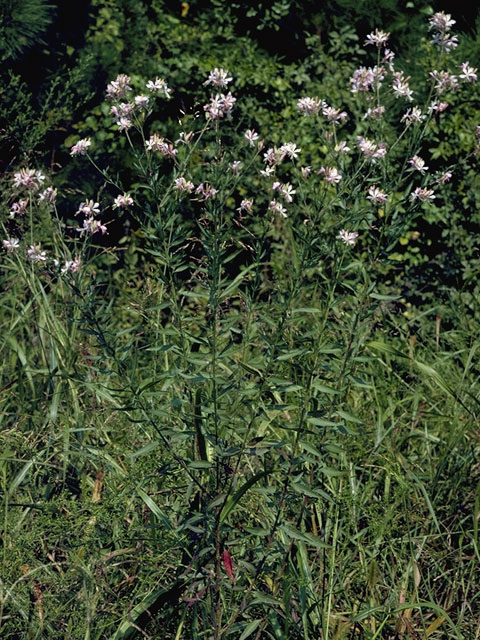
89 208
370 149
18 208
71 266
91 226
376 196
119 87
220 106
418 164
28 178
180 184
310 106
334 115
444 81
206 191
441 21
365 79
331 174
121 202
422 194
446 177
81 147
245 205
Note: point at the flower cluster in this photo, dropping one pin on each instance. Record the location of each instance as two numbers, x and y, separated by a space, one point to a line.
155 143
440 23
29 179
220 106
81 147
370 149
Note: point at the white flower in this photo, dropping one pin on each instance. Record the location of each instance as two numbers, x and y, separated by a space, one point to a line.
348 237
71 266
155 143
441 21
388 57
218 77
371 150
91 226
413 115
287 192
290 149
306 171
35 254
310 106
235 167
89 208
445 41
422 194
49 195
18 208
418 164
28 178
400 86
180 184
444 81
267 172
334 115
342 147
251 136
159 86
119 87
81 147
331 174
376 196
377 38
245 205
278 208
121 202
375 113
141 102
11 244
219 106
124 124
469 74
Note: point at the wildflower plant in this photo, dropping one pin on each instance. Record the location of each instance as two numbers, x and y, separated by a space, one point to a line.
246 364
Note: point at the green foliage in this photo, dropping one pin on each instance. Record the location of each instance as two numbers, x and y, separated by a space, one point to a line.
22 23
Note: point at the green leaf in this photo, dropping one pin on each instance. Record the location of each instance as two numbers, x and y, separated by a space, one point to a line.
154 508
234 499
249 629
